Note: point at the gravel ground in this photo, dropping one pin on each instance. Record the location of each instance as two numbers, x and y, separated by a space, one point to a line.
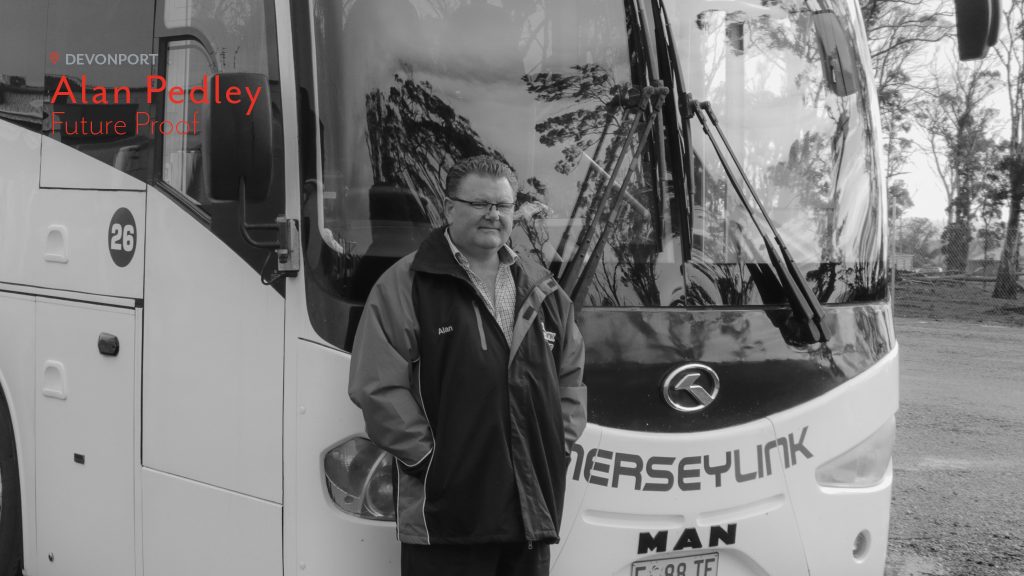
958 499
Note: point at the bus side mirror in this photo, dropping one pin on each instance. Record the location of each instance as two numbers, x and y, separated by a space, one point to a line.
977 27
238 147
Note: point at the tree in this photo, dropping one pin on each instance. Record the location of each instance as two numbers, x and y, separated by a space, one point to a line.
991 234
898 31
994 189
958 124
915 236
899 199
597 125
414 137
1010 52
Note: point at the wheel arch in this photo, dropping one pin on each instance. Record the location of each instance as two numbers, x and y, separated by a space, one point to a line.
7 405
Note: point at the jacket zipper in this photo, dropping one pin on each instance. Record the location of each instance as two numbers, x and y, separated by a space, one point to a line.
483 346
480 326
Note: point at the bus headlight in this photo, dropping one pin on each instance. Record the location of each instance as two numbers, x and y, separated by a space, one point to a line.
358 476
863 465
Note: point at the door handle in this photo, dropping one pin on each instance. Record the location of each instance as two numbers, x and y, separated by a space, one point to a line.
54 380
56 247
108 344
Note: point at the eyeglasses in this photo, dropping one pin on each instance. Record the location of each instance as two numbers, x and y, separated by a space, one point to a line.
485 207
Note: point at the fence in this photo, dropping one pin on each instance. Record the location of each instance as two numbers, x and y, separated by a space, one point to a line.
931 288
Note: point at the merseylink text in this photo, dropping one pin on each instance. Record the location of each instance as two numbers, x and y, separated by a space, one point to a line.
688 472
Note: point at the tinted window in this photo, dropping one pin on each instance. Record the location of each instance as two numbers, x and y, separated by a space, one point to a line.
206 38
104 52
406 89
801 128
200 40
22 30
181 151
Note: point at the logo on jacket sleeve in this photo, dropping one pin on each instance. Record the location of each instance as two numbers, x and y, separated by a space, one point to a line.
549 337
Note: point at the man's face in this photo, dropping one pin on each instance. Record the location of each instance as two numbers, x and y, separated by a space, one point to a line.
474 231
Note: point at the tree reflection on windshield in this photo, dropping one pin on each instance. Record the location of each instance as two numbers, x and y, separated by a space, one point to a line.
595 134
787 87
414 137
405 88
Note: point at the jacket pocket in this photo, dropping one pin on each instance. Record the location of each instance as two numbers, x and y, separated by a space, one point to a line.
417 470
410 499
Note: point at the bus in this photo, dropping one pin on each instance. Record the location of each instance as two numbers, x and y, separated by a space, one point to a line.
196 197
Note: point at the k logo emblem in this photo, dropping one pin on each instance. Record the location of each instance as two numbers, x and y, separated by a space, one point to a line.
690 388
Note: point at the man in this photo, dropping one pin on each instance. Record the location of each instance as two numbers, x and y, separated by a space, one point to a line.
468 368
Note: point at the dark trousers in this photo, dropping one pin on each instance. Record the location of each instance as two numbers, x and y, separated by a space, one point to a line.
510 559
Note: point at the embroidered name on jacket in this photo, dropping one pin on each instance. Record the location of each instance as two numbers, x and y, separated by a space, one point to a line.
445 330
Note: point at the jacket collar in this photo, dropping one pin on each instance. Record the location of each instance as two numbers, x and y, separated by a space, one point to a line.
435 257
506 255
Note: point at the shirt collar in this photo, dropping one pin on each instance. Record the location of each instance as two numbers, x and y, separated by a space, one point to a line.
506 255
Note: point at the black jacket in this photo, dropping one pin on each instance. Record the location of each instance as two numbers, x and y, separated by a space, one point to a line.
481 428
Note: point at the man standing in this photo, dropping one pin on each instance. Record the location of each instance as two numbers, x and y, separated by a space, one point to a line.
468 368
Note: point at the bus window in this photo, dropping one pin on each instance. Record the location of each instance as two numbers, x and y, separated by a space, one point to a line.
181 155
236 34
198 40
237 31
535 85
21 79
97 59
805 140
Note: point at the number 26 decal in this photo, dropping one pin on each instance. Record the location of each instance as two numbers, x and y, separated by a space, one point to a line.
121 237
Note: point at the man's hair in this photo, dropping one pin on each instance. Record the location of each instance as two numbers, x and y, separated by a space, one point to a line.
482 165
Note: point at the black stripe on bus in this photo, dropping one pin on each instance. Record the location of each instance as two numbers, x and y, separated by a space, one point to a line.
631 351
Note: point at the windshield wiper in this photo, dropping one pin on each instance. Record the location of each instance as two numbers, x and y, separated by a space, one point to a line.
679 144
592 170
576 277
642 69
807 311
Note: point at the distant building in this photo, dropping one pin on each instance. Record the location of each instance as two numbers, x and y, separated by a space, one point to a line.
903 261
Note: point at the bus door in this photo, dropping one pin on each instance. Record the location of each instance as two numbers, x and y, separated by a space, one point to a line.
212 447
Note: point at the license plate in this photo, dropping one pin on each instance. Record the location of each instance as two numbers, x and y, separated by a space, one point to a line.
697 565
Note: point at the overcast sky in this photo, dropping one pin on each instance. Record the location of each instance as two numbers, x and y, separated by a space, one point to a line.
925 186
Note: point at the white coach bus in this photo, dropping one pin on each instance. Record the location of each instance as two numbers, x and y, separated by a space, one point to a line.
197 195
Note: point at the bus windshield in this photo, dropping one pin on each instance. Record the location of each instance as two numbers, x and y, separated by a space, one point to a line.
405 88
790 94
